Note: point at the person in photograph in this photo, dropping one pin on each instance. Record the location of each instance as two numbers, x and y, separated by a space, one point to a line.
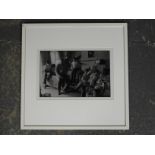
83 83
99 87
75 67
102 86
47 73
63 80
94 75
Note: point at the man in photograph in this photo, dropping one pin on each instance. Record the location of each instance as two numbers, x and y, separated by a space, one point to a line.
62 70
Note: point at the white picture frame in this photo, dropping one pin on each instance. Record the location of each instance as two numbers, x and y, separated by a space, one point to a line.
108 113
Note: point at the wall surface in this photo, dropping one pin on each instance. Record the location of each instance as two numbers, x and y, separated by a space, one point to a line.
141 36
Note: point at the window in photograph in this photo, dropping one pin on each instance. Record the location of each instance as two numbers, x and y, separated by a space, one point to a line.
91 54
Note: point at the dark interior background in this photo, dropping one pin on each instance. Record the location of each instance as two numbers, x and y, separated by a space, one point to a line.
141 44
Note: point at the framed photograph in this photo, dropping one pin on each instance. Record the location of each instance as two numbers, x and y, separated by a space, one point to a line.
75 76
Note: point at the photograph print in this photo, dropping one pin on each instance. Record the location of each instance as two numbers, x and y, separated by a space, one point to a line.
75 74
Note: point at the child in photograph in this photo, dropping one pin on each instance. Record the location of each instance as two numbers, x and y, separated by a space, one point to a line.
47 73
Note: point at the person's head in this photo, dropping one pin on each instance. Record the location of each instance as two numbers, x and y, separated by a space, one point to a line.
48 62
86 70
101 75
97 62
66 57
93 68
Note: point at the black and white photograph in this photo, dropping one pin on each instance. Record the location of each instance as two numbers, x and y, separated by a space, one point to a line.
75 73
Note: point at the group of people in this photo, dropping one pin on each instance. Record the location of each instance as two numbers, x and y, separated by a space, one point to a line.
67 73
93 83
71 77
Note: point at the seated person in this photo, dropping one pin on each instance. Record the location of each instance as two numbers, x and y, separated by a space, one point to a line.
99 87
94 74
83 82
